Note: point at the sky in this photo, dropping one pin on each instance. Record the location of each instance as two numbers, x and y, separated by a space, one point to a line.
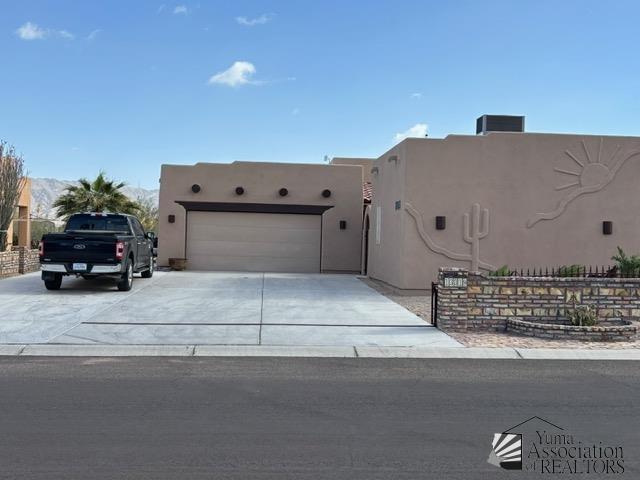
125 86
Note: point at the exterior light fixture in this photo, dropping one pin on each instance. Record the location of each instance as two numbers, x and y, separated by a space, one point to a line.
195 188
343 224
171 219
607 228
441 222
374 170
326 193
239 190
283 192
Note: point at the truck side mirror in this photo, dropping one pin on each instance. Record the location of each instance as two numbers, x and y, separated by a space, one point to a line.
151 235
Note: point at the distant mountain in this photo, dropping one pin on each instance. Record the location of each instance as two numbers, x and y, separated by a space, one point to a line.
44 192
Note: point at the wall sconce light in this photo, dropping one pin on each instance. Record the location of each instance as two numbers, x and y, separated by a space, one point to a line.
326 193
441 222
171 219
607 228
343 224
374 170
398 205
195 188
393 158
239 190
283 192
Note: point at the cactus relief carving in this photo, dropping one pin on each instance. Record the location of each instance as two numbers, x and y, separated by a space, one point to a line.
476 227
592 175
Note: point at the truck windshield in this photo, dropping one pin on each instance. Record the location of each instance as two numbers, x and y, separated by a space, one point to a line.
110 223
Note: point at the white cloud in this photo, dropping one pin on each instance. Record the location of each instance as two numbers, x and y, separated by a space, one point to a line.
160 9
92 36
239 73
180 10
416 95
252 22
65 34
31 31
418 130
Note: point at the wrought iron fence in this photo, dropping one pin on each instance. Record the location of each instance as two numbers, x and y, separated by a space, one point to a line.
434 304
571 271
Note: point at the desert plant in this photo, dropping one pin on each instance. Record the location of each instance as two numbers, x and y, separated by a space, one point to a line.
583 316
627 265
147 212
40 227
12 175
503 271
99 195
570 270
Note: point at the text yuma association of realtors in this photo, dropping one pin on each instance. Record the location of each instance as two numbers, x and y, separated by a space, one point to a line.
562 454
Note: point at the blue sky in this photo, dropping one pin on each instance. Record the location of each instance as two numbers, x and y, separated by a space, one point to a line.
125 86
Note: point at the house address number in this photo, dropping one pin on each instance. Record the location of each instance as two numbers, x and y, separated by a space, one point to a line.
455 282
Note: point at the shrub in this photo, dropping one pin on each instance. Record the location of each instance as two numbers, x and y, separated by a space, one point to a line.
627 266
503 271
571 270
583 316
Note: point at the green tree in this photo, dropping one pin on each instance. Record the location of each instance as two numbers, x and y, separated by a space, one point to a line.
99 195
147 213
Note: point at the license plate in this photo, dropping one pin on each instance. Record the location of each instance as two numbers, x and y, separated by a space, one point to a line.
80 266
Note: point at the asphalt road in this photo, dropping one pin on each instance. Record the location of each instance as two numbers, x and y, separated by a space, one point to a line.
283 418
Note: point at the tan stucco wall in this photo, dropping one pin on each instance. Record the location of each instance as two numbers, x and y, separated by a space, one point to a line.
341 249
385 256
365 163
513 176
24 224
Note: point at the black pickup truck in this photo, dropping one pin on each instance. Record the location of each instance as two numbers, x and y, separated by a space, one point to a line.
96 244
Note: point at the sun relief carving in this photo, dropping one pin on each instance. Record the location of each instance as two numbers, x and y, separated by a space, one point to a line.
591 174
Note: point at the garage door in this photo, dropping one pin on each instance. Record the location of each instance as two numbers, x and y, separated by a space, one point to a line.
253 242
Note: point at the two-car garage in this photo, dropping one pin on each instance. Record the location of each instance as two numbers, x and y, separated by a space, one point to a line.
254 242
261 217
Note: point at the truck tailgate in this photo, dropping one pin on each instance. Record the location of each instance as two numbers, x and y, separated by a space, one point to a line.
87 248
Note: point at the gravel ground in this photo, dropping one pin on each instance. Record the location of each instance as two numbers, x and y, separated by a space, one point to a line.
421 306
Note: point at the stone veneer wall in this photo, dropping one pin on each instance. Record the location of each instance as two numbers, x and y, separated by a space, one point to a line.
477 302
19 260
29 260
9 263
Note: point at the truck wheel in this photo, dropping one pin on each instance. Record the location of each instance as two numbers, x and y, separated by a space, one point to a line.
149 273
126 280
55 283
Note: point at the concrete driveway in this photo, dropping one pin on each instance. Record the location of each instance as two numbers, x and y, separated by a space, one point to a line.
210 308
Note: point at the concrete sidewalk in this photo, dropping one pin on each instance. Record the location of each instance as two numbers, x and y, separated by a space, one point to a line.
314 351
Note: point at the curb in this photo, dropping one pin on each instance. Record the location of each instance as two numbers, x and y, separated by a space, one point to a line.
506 353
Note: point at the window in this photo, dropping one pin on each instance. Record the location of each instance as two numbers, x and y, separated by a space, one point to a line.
137 228
110 223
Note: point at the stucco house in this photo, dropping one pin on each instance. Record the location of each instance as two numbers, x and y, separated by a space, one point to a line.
19 234
253 216
499 197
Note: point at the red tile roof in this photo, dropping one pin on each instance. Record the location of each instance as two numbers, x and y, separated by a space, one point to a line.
367 192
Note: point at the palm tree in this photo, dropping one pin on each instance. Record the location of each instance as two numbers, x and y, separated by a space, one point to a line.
100 195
